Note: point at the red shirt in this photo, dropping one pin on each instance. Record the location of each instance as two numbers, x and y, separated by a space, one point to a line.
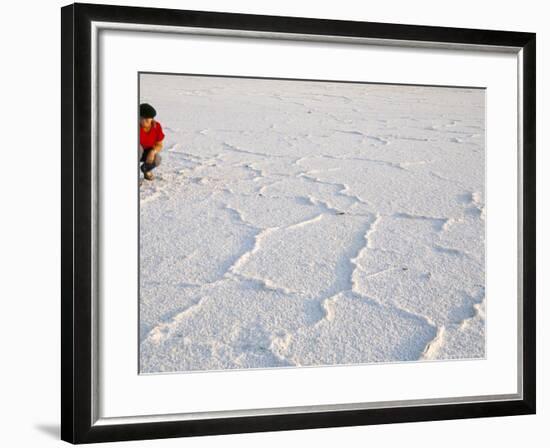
155 134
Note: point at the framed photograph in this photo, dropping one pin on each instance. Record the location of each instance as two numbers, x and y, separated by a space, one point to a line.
275 223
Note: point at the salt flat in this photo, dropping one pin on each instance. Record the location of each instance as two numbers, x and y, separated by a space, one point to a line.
312 223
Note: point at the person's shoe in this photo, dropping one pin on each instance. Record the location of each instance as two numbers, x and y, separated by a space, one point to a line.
148 175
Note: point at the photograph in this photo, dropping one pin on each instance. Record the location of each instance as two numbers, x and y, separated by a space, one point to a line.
283 220
287 223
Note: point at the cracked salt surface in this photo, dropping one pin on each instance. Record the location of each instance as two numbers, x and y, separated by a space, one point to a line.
311 223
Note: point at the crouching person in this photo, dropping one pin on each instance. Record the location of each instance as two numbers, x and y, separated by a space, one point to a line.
150 140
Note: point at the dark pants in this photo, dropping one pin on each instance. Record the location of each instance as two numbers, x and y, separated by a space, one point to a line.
145 167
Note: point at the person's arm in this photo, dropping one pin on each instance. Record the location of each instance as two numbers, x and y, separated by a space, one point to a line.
153 152
158 146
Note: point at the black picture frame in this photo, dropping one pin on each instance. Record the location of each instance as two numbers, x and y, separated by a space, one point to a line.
77 424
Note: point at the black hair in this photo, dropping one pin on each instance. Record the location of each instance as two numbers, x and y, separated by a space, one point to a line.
147 111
